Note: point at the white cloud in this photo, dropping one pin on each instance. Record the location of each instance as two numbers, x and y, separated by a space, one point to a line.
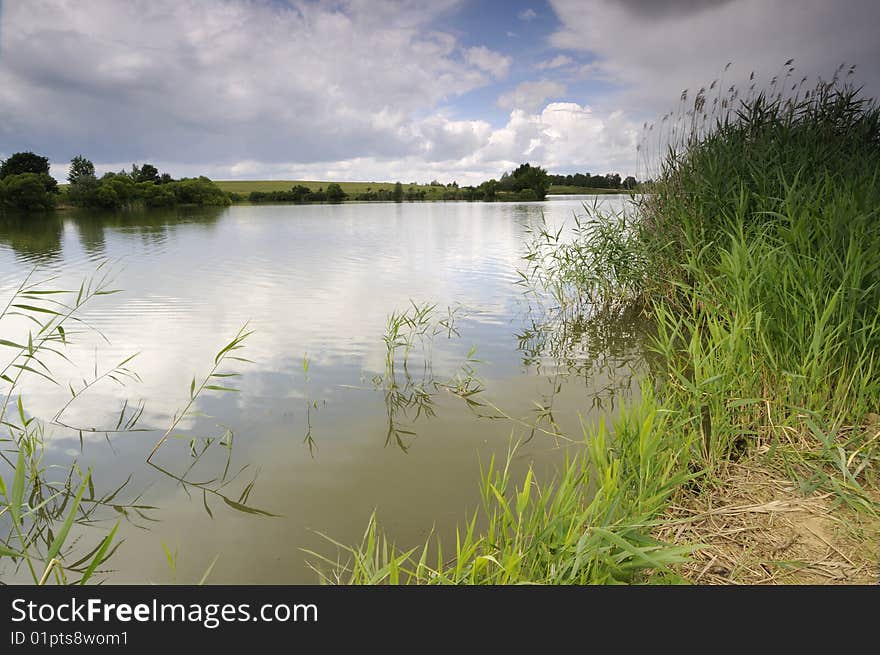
558 61
531 95
577 137
343 90
655 50
488 60
561 135
527 14
446 139
196 81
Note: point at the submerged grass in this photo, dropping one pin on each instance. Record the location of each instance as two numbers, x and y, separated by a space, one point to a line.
56 523
592 524
754 260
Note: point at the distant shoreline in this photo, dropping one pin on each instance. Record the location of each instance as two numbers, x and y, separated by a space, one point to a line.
126 190
246 186
63 205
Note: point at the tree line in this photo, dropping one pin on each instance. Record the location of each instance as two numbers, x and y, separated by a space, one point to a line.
528 182
26 185
301 193
587 181
335 193
142 185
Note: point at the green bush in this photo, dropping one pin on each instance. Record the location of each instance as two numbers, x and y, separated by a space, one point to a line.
159 195
24 162
199 191
83 189
143 186
106 197
754 259
28 192
335 193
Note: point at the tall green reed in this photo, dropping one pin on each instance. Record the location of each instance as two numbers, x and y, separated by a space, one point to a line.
752 256
50 513
592 523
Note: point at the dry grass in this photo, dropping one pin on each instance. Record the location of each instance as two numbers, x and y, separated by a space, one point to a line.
756 527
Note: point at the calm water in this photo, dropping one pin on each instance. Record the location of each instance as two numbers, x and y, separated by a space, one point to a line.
315 282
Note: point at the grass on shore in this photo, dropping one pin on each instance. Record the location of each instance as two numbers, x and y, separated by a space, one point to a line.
352 188
432 192
753 455
565 190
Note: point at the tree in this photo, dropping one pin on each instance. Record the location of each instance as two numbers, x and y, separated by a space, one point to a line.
106 197
506 182
397 195
200 191
146 173
597 182
28 192
123 190
630 182
530 177
612 180
84 185
24 162
300 193
335 192
158 195
26 183
80 167
83 190
488 189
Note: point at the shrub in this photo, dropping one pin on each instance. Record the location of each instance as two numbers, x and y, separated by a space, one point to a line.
335 192
28 192
198 191
24 162
82 190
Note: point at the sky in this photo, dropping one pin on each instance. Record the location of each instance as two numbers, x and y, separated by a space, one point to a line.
390 90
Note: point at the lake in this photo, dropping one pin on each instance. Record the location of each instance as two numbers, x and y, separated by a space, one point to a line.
324 429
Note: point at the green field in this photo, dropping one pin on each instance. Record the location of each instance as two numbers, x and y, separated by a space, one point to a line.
351 188
246 186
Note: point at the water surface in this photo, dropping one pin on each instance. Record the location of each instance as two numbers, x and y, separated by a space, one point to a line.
314 283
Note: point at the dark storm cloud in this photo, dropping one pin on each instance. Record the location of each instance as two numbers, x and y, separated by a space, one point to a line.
669 8
199 81
368 88
651 63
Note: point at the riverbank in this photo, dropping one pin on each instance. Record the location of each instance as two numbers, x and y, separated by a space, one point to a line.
312 192
431 192
753 455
